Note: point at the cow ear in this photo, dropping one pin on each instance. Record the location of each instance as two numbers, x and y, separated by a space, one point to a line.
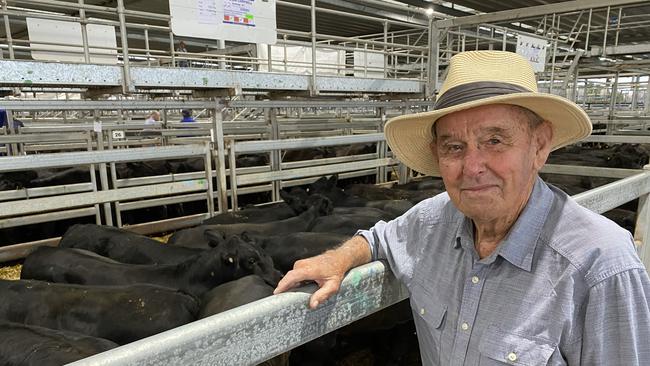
245 237
214 237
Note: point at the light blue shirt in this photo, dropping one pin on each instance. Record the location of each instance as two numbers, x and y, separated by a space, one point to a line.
564 287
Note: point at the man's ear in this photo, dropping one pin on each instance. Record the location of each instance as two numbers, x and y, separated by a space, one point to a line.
543 137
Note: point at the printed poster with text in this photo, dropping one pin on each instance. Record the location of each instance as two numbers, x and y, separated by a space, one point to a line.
238 12
534 50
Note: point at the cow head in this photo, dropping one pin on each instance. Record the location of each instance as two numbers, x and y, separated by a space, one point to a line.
240 258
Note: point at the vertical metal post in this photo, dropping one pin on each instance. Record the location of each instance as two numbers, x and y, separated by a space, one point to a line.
588 30
314 87
432 65
10 42
503 40
221 44
552 81
93 181
272 121
284 52
269 59
612 106
118 211
217 128
172 48
232 166
207 165
84 32
635 92
385 49
382 149
146 46
127 84
103 176
642 228
574 97
605 32
13 148
646 101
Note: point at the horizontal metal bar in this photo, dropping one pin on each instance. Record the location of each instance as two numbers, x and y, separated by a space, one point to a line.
532 11
37 205
314 162
612 195
73 105
161 201
325 104
57 160
312 171
613 139
590 171
267 145
178 177
257 331
46 217
45 191
50 137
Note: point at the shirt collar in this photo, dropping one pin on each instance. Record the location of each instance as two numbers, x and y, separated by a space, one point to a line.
518 247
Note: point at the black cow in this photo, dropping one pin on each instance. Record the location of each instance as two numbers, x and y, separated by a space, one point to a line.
346 224
287 249
328 188
196 237
124 246
122 314
23 345
229 260
253 214
233 294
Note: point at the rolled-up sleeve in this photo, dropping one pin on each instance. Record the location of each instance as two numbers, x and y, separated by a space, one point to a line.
389 240
617 321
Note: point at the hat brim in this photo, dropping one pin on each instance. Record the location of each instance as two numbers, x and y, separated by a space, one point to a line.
409 136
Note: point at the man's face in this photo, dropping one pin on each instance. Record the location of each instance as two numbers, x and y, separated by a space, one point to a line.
489 159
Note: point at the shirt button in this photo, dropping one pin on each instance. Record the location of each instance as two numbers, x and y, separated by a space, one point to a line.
512 357
464 326
475 280
422 311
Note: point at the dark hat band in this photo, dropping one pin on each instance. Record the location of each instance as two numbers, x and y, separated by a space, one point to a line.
474 91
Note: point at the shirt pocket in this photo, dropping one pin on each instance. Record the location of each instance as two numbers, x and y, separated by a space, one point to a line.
427 308
498 347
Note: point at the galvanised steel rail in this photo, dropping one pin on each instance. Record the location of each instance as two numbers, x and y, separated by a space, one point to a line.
258 331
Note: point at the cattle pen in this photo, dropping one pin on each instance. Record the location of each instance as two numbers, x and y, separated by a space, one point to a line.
305 96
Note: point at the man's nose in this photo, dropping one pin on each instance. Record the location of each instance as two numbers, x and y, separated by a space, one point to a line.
473 161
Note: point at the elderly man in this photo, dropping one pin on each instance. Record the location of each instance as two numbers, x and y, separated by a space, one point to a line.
502 268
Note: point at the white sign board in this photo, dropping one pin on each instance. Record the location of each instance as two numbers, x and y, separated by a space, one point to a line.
251 21
43 31
368 64
328 61
534 50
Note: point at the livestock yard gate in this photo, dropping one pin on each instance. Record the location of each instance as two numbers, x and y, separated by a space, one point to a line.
307 96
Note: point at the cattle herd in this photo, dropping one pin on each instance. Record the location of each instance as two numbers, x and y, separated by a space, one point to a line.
103 286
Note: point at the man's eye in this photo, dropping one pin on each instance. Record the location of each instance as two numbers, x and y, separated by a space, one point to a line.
494 141
454 148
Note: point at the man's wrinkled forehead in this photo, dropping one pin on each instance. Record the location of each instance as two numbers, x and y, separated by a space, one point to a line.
508 118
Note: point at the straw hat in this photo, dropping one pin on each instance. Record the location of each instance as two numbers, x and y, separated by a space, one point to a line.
477 78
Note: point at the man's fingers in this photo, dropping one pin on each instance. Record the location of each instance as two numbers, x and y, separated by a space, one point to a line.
328 289
289 281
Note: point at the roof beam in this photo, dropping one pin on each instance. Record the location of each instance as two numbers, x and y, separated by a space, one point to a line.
373 10
533 11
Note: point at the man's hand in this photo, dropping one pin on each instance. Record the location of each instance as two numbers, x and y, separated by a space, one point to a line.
327 269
